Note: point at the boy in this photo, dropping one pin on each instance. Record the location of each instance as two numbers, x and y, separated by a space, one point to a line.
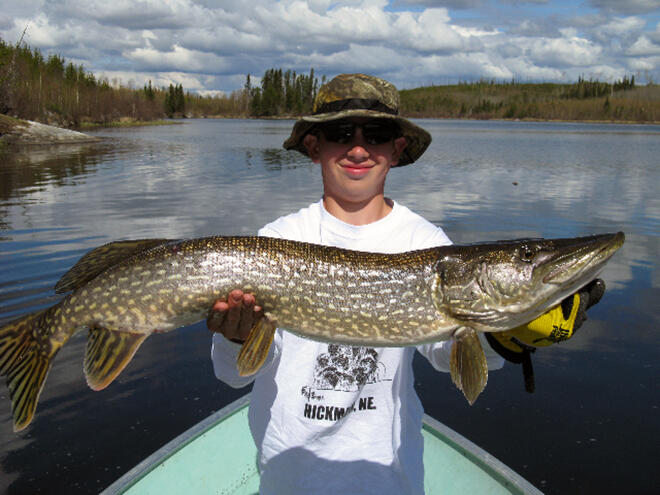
330 418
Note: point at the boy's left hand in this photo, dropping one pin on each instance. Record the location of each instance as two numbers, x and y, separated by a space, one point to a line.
559 323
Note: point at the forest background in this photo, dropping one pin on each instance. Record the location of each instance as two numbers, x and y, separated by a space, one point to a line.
52 90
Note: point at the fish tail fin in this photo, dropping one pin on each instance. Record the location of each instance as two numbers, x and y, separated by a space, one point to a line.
468 365
26 361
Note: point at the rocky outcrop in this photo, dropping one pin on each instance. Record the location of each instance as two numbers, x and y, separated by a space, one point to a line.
16 131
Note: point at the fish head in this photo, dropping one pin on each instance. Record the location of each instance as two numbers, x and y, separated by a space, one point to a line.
498 286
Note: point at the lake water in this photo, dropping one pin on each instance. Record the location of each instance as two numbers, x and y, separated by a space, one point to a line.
593 424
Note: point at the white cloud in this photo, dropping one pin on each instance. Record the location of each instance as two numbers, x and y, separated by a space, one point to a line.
619 28
646 64
177 58
158 80
643 47
296 23
225 40
211 92
430 32
136 14
456 4
356 58
569 51
655 35
627 6
40 32
217 42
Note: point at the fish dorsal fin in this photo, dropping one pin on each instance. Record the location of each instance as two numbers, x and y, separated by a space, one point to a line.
468 365
256 346
108 352
99 259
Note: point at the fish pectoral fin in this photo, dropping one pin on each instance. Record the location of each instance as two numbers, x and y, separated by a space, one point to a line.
108 352
468 365
99 259
256 346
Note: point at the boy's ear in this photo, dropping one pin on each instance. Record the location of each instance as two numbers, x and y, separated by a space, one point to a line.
400 144
311 143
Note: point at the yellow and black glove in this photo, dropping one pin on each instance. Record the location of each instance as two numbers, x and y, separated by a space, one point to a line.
559 323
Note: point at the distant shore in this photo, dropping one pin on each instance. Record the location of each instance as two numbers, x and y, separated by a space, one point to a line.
584 101
15 131
88 126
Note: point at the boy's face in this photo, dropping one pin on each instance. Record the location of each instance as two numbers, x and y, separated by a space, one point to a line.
354 167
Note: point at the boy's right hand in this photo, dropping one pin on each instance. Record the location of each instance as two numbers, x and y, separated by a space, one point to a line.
234 316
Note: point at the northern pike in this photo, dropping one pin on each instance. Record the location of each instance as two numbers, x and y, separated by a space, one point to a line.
124 291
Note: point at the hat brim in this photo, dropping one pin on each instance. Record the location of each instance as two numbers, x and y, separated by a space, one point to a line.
417 139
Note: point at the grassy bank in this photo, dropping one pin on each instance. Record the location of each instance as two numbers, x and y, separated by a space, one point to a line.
86 126
547 101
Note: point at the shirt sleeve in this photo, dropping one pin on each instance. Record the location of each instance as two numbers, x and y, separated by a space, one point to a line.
439 354
224 353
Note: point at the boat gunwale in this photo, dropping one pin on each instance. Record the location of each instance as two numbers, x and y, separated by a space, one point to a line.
147 465
487 462
506 476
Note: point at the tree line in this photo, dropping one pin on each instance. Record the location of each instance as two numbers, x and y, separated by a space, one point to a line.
595 89
584 100
52 90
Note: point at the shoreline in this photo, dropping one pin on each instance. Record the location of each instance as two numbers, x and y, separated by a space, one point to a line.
14 131
496 119
559 121
90 126
26 132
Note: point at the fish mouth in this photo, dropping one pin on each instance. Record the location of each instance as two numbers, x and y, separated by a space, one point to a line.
581 258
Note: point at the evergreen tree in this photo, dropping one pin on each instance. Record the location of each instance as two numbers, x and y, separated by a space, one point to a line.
169 101
283 93
174 100
149 91
180 101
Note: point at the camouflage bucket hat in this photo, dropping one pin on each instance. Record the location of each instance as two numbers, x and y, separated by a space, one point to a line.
360 95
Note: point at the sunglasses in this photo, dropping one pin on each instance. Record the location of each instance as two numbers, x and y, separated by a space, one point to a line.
374 132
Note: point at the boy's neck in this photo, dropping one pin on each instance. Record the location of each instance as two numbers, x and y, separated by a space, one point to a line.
359 213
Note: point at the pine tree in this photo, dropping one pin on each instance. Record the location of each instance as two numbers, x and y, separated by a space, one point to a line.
149 92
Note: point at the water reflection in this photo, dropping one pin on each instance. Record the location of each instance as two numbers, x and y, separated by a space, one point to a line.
31 169
232 177
274 159
28 167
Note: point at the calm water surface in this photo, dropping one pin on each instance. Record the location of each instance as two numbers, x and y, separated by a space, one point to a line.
591 427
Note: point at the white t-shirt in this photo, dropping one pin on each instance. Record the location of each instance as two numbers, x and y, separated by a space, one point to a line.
336 419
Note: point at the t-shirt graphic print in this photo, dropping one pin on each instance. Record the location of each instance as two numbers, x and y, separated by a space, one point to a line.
345 380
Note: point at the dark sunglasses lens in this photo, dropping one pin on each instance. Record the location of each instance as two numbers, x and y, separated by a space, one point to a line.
378 133
341 133
373 132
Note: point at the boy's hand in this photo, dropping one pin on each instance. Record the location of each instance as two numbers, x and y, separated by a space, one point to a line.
556 325
234 316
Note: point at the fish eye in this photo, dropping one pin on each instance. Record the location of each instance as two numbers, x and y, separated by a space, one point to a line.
526 253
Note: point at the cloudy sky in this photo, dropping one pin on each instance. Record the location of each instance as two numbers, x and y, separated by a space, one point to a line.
210 45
